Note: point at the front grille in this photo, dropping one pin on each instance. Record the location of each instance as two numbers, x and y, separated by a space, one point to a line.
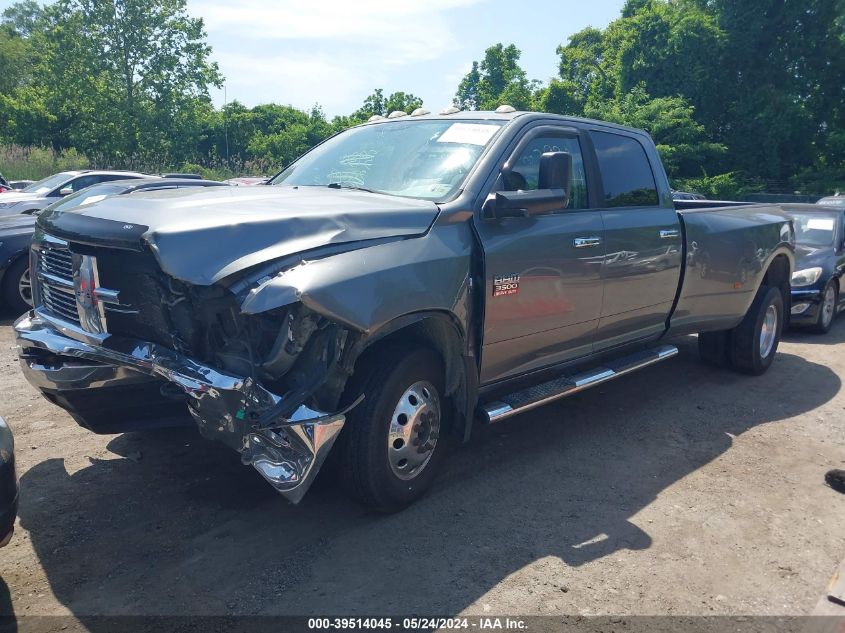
55 283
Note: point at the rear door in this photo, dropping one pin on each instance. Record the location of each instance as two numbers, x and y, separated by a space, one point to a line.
643 241
543 273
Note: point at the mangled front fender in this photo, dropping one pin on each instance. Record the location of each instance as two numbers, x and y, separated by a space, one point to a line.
367 288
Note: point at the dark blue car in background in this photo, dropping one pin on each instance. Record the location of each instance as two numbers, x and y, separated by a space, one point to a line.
16 231
819 261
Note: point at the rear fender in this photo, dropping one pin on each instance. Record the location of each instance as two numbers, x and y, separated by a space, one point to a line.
729 252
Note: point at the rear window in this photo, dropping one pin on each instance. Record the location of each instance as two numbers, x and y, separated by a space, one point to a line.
625 171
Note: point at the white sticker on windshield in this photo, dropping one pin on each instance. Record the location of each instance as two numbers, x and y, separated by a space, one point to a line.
468 133
824 224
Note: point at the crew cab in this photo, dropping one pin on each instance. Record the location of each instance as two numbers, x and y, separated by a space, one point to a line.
401 280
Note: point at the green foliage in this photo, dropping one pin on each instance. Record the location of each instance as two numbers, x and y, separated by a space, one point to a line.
722 187
749 91
681 140
35 163
498 79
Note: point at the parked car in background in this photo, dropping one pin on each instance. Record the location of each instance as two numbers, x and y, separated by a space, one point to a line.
39 194
686 195
16 231
18 185
8 484
247 181
837 200
819 261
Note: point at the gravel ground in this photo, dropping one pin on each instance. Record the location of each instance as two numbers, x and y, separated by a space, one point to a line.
677 490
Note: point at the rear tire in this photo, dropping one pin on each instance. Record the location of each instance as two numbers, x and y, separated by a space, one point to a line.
754 342
17 286
385 462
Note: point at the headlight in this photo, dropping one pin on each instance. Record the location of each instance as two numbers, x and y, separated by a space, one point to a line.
806 277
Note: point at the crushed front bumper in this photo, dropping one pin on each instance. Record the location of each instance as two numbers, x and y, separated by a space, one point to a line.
806 303
287 451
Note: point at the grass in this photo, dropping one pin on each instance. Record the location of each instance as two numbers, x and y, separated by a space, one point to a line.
35 163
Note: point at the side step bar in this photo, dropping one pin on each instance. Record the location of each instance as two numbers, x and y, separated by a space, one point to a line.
546 392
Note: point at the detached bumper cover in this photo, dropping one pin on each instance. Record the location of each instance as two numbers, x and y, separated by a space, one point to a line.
287 451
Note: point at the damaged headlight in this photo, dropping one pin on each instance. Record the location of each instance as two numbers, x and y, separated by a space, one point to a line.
806 277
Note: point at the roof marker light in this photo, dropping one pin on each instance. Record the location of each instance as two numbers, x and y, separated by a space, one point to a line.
375 117
397 114
420 112
505 109
450 110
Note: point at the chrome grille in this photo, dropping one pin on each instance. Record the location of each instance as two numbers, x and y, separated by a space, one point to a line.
55 283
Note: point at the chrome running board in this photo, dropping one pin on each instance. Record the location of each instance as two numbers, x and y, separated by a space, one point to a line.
546 392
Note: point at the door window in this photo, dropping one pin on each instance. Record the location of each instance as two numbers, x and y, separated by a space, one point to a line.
83 181
625 171
525 167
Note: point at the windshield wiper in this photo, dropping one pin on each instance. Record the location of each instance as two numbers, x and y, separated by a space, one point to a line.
340 185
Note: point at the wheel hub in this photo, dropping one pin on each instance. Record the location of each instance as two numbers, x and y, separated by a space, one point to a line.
828 306
414 430
25 287
768 332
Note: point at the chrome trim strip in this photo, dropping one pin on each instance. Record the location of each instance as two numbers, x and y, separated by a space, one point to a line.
496 411
61 282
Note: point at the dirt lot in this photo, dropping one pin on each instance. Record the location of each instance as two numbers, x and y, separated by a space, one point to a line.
677 490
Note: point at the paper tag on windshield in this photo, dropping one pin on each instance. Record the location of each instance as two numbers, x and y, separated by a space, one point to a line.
824 224
468 133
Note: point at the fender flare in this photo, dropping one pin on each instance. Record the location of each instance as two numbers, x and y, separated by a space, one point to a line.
432 326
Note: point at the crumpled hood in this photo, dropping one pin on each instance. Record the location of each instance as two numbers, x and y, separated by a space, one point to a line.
203 235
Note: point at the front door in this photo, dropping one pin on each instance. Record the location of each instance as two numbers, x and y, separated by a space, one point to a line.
543 287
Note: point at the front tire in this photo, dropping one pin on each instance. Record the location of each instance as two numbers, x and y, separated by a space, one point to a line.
17 286
754 342
827 309
394 441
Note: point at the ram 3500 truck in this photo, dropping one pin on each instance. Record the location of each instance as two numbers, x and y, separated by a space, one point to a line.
400 280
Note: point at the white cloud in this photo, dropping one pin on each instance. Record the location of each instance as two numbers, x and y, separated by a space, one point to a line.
302 52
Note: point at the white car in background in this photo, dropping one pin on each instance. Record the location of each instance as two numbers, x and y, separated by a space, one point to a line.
39 194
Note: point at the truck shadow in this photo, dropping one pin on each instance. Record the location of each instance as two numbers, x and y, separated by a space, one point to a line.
180 527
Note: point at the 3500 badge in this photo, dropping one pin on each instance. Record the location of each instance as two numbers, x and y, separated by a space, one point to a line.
504 285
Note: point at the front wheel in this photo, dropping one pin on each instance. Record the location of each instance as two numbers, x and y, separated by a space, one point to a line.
827 309
754 342
393 442
17 286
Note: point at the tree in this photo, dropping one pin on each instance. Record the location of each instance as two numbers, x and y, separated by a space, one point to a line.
124 72
497 79
378 104
682 141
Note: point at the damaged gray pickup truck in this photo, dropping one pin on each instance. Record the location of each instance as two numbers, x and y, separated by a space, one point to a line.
404 278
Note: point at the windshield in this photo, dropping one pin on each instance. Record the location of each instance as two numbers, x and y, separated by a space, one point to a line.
416 159
814 229
89 195
48 184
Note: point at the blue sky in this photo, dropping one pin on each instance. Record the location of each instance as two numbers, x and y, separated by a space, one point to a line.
302 52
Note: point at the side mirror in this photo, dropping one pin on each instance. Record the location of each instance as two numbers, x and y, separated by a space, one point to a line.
555 184
524 204
65 192
555 171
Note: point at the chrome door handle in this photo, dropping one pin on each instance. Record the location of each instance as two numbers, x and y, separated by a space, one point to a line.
586 242
669 234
